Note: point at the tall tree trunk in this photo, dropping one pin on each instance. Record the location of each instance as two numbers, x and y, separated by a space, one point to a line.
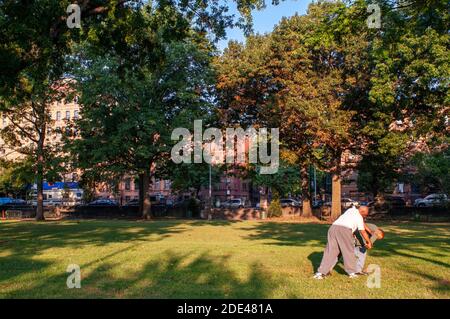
375 188
263 202
336 196
306 196
40 195
40 177
141 192
146 204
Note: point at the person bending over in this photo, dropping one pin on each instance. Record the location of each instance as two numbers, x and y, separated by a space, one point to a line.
341 240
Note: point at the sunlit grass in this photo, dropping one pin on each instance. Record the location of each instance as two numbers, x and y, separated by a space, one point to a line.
217 259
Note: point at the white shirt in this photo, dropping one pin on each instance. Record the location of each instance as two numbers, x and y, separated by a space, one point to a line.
351 219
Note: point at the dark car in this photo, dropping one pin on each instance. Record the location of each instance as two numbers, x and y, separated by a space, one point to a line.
395 201
289 202
132 203
16 208
135 202
316 203
12 202
387 203
102 202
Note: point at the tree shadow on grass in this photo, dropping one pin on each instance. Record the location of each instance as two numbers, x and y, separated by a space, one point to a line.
290 234
172 276
23 241
424 242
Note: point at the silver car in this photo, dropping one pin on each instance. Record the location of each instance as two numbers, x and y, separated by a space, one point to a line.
432 200
234 203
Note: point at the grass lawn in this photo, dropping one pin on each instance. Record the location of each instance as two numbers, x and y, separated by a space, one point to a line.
218 259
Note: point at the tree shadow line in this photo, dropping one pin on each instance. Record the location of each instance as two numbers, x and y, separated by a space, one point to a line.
173 276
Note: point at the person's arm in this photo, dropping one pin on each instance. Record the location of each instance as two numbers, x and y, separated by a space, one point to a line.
366 239
359 238
367 229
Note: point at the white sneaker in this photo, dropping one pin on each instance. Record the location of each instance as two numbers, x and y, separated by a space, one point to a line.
353 275
318 275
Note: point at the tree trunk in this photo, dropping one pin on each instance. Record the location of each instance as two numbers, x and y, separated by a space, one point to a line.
306 196
40 179
140 192
375 188
40 196
146 203
263 202
336 196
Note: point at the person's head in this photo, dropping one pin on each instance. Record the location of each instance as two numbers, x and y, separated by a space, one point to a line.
364 211
380 233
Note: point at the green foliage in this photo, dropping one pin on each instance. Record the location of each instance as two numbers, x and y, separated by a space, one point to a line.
188 177
432 172
193 207
127 118
275 209
15 176
285 181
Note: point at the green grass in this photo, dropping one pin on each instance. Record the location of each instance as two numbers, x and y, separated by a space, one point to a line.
218 259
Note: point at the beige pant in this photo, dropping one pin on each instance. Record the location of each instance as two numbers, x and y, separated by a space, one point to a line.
340 240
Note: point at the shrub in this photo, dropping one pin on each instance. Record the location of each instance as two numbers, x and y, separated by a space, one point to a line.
275 208
193 207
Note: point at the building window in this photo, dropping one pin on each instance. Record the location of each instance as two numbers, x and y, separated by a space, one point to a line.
166 185
58 115
67 115
127 184
136 185
75 114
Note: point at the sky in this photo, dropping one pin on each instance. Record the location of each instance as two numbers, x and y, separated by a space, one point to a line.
265 19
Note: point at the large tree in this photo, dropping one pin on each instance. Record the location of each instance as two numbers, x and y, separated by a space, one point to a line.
408 95
127 118
35 39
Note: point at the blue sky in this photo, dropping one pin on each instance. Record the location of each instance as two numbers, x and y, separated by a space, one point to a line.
265 19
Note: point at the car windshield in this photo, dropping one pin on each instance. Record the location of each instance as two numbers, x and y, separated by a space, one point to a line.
236 201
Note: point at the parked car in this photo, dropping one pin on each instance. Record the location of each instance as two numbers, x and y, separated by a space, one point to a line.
432 200
366 203
102 202
5 200
395 201
12 202
135 202
346 203
316 203
170 202
289 202
234 203
132 203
